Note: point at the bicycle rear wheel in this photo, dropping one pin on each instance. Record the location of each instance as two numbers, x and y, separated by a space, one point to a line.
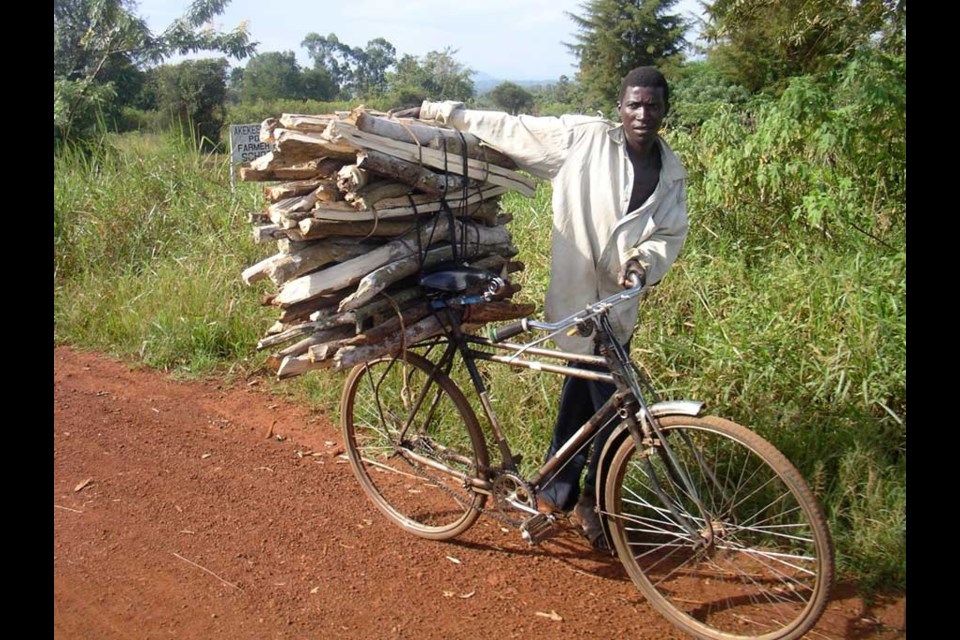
741 550
393 409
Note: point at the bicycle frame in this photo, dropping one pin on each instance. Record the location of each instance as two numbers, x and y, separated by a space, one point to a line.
627 405
682 497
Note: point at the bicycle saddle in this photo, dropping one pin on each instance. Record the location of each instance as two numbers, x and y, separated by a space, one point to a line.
456 279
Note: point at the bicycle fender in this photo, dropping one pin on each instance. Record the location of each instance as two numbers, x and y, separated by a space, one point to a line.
692 408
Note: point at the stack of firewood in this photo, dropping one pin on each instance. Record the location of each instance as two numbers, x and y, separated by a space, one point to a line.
360 206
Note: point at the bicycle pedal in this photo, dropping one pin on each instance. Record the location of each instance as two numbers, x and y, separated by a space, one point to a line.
537 528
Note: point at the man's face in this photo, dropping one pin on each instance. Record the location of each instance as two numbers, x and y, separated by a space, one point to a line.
642 110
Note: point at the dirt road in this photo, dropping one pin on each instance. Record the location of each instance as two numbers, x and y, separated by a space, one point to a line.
175 516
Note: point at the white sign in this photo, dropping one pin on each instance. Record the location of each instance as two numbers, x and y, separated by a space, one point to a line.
245 143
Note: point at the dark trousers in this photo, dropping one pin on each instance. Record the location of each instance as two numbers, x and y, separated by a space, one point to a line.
579 400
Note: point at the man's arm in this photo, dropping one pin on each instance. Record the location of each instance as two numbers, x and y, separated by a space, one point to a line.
537 144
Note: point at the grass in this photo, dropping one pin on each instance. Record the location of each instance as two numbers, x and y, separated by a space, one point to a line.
802 341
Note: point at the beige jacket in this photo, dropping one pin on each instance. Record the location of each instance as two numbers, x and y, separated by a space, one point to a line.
585 160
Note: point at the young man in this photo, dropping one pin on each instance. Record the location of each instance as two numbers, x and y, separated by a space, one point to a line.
619 207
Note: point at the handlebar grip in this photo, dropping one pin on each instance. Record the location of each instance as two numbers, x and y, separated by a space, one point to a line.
508 331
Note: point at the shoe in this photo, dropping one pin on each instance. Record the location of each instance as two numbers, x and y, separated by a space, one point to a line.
586 514
546 507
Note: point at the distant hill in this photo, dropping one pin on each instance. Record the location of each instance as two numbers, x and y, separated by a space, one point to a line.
484 82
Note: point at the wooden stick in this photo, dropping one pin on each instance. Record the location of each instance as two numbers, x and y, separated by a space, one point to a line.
410 173
318 337
307 123
382 277
314 229
281 267
351 271
307 328
277 192
298 146
347 135
307 308
374 192
497 310
415 205
394 323
350 356
298 365
421 133
229 584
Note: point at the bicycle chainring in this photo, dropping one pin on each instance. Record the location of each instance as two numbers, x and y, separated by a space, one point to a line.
510 489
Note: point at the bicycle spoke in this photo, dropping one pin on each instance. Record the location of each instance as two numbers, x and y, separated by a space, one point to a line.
409 433
759 563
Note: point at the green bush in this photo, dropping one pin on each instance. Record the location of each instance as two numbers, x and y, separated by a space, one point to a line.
824 162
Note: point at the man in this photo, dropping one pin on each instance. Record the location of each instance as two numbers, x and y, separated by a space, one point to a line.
619 208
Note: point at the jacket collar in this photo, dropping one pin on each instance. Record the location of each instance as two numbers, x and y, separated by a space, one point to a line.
671 170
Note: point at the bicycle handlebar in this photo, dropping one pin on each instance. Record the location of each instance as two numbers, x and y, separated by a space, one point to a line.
508 330
519 326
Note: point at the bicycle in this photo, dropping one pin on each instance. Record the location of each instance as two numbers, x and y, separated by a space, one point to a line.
692 504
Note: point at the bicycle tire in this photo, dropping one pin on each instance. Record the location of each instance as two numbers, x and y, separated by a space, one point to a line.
769 569
378 398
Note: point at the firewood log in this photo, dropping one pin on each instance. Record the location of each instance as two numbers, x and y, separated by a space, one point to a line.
345 135
351 271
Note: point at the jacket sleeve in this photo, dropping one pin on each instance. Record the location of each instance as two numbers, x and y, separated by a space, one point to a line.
658 252
538 145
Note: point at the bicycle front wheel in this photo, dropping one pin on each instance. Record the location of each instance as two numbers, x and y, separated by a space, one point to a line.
720 532
412 440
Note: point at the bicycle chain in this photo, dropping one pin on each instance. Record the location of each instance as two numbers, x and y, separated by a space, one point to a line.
496 514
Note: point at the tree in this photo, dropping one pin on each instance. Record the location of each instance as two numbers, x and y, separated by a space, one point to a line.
358 73
512 97
438 76
700 91
272 75
98 42
234 85
615 36
761 44
191 95
318 85
332 56
376 60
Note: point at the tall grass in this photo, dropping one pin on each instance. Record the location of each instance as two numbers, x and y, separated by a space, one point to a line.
148 245
804 341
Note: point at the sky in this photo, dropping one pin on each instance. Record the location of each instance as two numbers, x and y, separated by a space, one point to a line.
506 39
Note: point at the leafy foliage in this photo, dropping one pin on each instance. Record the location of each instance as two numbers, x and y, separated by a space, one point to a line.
827 159
437 76
512 97
96 43
356 72
272 74
699 91
191 96
275 76
759 44
615 36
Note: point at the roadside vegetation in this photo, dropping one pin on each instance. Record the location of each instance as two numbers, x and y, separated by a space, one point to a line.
786 310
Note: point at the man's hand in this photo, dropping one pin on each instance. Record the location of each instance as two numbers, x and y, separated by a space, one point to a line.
413 112
630 269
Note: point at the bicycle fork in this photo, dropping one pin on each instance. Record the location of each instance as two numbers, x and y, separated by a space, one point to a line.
649 441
